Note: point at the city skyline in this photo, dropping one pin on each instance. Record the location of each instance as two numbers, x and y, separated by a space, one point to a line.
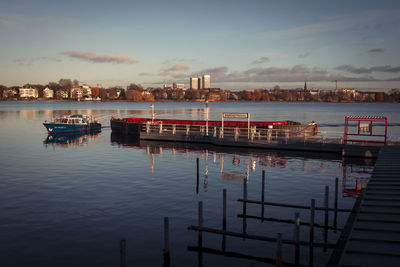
242 45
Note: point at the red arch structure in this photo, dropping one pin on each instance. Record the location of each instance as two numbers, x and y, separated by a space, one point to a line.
364 131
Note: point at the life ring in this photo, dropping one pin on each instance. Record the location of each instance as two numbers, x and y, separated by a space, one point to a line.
236 162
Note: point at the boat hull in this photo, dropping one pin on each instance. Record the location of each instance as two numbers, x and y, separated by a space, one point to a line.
58 128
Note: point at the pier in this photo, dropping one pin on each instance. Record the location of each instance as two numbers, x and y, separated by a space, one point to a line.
296 139
371 236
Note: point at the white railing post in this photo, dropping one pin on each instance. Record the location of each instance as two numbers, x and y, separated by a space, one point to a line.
173 129
160 126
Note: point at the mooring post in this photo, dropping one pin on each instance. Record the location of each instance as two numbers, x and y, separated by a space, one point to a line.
167 257
122 252
224 219
200 234
278 259
244 205
262 195
197 176
326 202
297 239
311 242
336 203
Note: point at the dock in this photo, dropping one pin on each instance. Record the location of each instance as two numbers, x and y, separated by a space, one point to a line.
255 139
371 236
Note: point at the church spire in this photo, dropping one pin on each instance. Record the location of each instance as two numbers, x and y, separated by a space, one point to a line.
305 85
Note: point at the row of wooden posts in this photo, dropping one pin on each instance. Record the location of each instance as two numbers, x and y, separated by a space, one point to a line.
279 240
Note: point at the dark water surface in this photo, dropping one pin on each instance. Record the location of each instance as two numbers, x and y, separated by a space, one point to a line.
69 202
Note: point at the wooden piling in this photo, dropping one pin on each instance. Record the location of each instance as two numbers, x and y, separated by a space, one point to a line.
122 252
311 247
244 205
278 259
200 234
197 175
336 203
167 257
224 219
326 205
297 239
262 193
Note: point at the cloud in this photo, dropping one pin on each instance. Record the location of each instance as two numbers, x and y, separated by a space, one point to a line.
96 58
172 70
29 61
178 67
260 60
351 69
365 19
376 50
304 55
146 74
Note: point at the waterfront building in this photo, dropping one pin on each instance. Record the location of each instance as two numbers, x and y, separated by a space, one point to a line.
10 93
48 93
61 94
194 83
167 86
28 92
199 82
206 81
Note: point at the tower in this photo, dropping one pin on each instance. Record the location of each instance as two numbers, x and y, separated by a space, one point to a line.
206 81
305 85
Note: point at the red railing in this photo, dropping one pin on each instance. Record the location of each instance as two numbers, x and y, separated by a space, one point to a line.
202 122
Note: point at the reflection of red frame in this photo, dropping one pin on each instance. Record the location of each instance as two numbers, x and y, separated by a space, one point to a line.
359 119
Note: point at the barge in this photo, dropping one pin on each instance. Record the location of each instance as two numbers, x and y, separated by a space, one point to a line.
133 126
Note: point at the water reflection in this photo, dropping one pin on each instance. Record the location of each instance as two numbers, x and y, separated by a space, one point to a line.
70 139
239 164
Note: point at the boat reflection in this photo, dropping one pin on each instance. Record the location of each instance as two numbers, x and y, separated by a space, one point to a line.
237 164
70 139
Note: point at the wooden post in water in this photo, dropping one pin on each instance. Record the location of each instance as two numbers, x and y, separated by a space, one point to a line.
224 219
262 195
311 245
167 257
297 239
197 176
278 259
244 205
336 203
200 234
326 202
122 252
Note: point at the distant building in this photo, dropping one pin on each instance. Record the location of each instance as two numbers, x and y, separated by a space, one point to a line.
167 86
206 81
194 83
28 92
48 93
199 82
83 91
10 93
61 94
179 86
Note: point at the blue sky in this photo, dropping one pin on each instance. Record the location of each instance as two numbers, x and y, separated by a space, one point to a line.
241 44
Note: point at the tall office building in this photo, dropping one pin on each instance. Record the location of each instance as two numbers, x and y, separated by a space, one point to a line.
206 81
194 83
199 83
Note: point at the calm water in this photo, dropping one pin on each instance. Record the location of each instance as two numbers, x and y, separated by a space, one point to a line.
69 202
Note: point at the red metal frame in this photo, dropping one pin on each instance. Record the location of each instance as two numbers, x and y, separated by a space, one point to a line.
371 120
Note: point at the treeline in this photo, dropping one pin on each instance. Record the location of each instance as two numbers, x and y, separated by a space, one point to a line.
67 89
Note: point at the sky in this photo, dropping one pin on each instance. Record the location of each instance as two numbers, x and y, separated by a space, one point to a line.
241 44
